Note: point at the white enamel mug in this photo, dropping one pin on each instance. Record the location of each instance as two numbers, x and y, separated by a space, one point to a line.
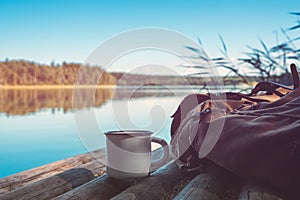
129 153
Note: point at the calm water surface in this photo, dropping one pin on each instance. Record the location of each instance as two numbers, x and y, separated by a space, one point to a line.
38 126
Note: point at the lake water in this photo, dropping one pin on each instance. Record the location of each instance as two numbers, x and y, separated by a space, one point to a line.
40 126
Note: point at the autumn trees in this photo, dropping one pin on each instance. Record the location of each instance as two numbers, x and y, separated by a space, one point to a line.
29 73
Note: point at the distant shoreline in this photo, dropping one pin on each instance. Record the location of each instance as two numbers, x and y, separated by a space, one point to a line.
50 87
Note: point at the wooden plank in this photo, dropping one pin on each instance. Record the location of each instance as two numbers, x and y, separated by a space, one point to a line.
24 178
29 176
204 186
251 191
199 188
102 187
160 185
58 184
215 183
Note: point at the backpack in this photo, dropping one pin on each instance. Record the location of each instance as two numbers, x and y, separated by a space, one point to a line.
254 136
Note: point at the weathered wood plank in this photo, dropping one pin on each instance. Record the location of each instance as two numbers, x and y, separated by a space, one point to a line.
215 183
58 184
29 176
24 178
199 188
102 187
159 185
204 186
251 191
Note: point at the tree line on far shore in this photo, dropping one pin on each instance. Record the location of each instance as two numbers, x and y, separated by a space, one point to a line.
20 72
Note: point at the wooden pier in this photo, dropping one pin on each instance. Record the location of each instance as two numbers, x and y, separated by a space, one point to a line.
84 177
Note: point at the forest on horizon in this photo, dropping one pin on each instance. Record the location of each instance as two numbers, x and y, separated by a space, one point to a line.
26 73
20 72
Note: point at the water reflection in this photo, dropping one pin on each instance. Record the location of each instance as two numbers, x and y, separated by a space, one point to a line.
26 101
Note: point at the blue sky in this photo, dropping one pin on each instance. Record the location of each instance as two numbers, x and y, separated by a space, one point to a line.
61 30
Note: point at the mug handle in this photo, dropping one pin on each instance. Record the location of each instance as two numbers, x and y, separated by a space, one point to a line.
159 163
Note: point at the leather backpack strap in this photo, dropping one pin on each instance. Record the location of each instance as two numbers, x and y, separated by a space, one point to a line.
295 75
270 87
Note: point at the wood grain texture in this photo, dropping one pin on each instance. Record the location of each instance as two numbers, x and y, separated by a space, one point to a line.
29 176
215 183
100 188
103 187
82 177
251 191
157 186
58 184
